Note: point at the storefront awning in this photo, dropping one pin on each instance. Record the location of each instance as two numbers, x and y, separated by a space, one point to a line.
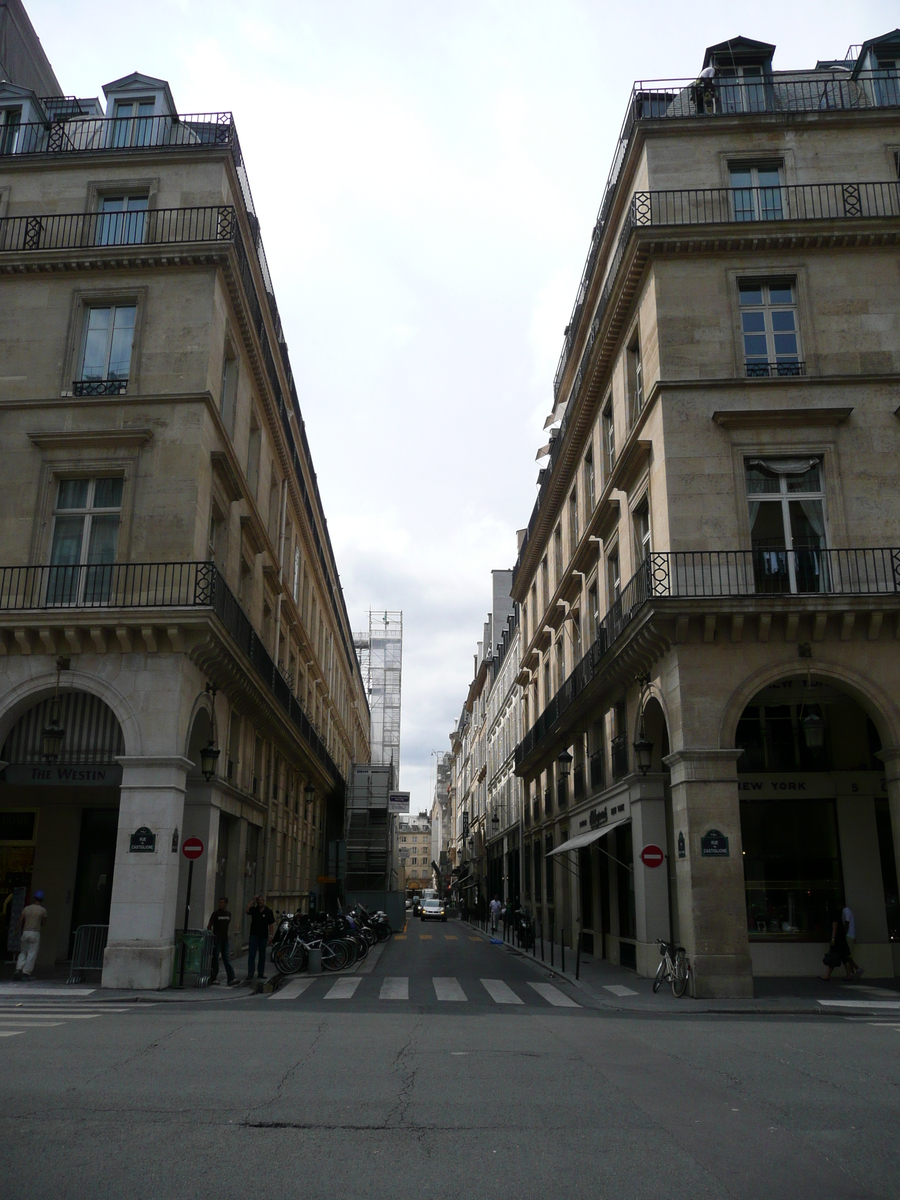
585 839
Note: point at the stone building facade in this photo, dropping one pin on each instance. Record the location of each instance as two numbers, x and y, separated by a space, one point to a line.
168 582
709 583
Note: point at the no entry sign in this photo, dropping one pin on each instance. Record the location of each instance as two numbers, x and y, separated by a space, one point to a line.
192 847
652 856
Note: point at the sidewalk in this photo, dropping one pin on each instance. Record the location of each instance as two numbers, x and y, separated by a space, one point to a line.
620 989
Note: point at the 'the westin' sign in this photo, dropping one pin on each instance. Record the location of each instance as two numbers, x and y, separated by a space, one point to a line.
47 775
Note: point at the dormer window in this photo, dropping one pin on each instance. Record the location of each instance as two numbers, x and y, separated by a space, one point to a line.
10 127
741 69
133 123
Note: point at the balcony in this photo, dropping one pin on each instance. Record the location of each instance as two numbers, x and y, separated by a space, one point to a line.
619 748
91 135
99 387
759 573
95 601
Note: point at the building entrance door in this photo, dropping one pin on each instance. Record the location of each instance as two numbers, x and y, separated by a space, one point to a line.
94 872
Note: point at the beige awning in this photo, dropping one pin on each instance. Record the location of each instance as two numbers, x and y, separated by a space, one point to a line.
585 839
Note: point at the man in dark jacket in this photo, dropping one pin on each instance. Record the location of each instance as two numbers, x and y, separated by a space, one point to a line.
262 923
219 923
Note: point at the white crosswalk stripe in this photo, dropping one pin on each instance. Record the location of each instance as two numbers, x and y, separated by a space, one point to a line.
500 992
394 988
554 996
292 990
343 989
33 1012
448 988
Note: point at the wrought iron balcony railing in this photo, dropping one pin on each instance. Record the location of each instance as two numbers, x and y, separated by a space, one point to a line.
787 202
155 227
785 368
721 574
619 754
184 585
99 387
83 135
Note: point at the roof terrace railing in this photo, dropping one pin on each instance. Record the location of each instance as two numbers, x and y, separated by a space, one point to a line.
155 227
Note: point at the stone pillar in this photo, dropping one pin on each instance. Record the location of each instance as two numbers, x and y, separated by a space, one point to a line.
891 760
651 884
201 819
711 905
140 948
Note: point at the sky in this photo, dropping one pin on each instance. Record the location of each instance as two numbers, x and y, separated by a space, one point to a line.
427 174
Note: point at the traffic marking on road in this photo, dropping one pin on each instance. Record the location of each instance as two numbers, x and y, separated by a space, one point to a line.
343 989
474 938
424 937
500 992
292 990
399 937
619 989
394 988
554 996
11 1032
27 989
448 988
860 1003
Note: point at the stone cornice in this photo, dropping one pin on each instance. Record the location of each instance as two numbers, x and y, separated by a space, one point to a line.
69 439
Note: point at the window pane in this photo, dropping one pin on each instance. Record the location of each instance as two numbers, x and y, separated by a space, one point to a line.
108 493
768 177
72 493
751 294
807 523
67 534
753 322
786 345
781 293
782 319
741 178
767 525
809 481
755 345
120 352
96 345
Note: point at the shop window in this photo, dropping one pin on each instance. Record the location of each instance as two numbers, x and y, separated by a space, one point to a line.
777 737
85 534
792 870
888 867
769 328
105 362
786 508
624 853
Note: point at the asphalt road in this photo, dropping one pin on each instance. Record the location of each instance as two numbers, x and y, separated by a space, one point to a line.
391 1088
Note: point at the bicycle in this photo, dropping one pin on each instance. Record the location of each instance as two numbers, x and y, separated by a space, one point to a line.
674 968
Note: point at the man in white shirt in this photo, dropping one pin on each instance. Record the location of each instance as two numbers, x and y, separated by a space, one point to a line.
31 922
850 929
495 913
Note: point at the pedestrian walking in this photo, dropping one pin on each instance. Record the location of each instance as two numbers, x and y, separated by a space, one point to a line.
262 923
849 921
495 913
219 923
838 953
31 922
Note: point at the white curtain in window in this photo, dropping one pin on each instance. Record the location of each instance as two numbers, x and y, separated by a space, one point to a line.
812 510
785 466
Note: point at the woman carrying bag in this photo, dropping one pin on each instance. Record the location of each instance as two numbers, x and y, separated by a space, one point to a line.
838 953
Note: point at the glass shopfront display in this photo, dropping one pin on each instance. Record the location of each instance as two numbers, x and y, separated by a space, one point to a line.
792 869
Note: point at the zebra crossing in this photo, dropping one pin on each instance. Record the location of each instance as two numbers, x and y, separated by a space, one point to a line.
393 989
22 1013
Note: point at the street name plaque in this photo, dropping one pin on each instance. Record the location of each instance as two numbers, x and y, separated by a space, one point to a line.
143 841
714 844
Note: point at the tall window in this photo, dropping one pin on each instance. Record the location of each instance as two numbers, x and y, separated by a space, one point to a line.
557 556
85 533
609 439
253 448
545 583
787 523
613 577
133 124
10 128
592 615
121 220
590 485
741 89
106 355
228 407
560 662
642 530
756 192
769 327
635 371
573 521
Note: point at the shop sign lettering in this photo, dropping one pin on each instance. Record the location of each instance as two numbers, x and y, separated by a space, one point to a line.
54 776
598 817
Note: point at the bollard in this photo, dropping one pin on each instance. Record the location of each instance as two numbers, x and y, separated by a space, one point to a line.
542 938
552 933
562 949
315 961
578 958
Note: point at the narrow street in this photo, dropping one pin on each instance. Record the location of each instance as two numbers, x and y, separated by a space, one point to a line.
452 1063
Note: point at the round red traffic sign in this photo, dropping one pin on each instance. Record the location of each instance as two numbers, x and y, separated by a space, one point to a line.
652 856
191 847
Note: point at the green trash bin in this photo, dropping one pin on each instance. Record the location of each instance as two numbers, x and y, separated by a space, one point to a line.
196 946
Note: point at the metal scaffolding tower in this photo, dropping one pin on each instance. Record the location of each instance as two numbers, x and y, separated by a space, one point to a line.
380 653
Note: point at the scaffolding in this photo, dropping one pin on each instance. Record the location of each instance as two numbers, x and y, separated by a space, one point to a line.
380 653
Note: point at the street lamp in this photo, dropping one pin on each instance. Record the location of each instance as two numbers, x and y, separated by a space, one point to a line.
813 731
52 737
209 756
643 747
308 793
495 822
565 764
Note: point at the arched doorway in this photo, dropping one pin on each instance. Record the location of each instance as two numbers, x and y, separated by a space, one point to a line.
59 815
815 827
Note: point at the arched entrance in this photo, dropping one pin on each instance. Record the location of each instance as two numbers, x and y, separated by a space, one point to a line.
815 827
59 815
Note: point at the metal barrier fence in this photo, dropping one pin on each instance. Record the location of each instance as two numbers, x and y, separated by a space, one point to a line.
87 953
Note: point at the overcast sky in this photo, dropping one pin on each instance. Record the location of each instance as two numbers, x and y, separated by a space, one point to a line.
427 173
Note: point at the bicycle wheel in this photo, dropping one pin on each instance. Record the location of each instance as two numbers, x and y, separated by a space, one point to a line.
660 976
681 974
334 955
